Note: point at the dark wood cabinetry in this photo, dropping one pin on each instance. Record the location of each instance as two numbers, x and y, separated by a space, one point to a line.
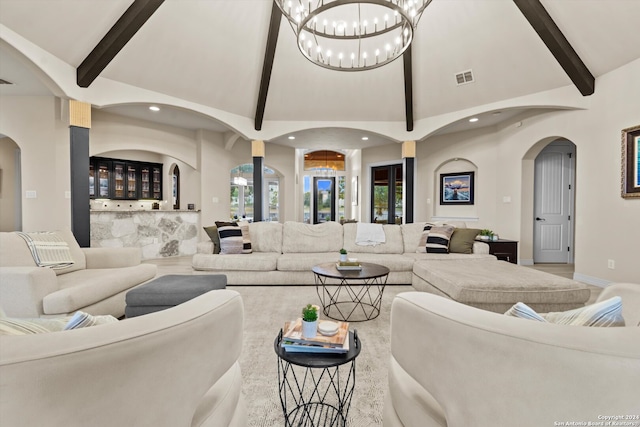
506 250
124 179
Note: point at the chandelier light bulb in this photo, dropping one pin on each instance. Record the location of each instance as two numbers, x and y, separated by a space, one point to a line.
340 55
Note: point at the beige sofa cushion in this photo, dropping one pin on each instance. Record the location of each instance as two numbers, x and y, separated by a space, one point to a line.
298 237
87 287
305 261
266 236
394 262
256 261
499 282
451 256
411 234
393 240
14 252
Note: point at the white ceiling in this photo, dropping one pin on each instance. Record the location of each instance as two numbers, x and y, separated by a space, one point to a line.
210 54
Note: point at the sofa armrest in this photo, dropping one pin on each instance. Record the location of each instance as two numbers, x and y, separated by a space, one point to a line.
205 247
480 248
22 290
111 257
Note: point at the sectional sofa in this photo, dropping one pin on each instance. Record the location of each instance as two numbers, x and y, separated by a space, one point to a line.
96 282
283 254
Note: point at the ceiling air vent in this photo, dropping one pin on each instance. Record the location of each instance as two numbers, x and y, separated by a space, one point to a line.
464 77
4 82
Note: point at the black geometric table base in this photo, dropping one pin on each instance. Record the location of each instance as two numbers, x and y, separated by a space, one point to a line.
351 297
316 388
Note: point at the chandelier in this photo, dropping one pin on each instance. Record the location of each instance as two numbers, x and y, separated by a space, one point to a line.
353 35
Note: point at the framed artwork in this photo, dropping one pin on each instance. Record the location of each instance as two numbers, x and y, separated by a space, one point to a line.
456 188
630 178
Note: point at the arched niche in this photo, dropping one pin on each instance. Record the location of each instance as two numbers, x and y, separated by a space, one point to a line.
446 172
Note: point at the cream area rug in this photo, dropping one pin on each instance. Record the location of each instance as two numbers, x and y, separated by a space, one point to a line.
266 309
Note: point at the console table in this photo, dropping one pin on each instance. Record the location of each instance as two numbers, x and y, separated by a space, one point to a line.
506 250
316 388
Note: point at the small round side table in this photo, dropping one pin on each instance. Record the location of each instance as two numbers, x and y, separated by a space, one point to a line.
316 388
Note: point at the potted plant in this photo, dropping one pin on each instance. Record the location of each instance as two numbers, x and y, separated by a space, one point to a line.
486 234
309 321
343 255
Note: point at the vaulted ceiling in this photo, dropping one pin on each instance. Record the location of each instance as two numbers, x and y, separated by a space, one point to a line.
203 61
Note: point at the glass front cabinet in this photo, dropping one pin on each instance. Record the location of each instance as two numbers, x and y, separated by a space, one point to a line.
124 179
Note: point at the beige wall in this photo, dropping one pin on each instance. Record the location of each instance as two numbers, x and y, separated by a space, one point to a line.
607 226
9 206
35 124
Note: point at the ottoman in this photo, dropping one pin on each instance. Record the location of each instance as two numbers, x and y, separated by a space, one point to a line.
497 285
169 291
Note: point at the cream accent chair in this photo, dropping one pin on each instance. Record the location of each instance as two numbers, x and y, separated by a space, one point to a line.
454 365
176 367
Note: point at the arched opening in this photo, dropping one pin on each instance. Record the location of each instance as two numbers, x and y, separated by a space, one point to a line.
553 203
242 193
10 185
550 165
175 186
324 186
455 184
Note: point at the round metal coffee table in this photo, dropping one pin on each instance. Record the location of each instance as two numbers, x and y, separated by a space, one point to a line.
358 294
316 388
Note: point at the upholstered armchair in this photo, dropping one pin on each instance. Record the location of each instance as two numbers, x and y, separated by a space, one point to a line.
176 367
455 365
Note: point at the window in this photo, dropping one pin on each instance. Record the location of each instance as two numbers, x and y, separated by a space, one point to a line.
242 192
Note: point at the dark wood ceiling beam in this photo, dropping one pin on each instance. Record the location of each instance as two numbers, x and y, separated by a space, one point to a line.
115 39
267 65
408 88
558 44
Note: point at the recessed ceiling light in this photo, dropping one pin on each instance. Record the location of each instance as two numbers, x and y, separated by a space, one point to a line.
365 138
473 119
495 113
154 108
292 137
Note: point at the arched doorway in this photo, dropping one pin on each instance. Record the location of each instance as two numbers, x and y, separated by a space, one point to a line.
10 185
554 202
175 186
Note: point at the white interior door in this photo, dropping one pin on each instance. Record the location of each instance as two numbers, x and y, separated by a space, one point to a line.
554 203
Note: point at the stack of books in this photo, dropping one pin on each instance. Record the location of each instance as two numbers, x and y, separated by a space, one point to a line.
294 342
348 265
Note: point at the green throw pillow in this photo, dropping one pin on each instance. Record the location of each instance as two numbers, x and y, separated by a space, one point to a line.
462 240
212 232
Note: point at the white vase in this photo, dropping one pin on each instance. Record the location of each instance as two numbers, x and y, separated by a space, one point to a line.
309 329
343 257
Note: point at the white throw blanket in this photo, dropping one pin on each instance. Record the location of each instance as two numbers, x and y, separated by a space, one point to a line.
369 234
48 249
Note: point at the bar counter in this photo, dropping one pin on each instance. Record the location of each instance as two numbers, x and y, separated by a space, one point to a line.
158 233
